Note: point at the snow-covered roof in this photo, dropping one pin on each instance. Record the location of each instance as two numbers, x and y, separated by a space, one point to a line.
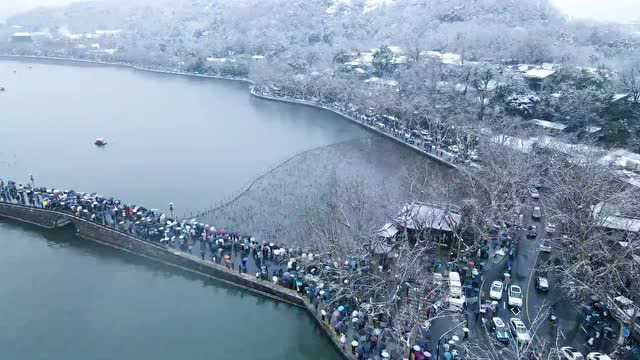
22 34
217 60
593 129
574 150
445 58
421 216
257 57
548 124
451 59
615 221
629 177
387 231
360 70
41 33
617 97
622 158
539 74
397 50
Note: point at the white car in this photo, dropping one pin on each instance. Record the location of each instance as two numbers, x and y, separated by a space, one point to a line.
534 193
550 228
570 353
519 331
542 283
537 213
545 246
598 356
495 293
515 296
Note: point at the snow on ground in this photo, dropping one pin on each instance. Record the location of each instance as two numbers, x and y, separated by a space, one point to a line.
371 5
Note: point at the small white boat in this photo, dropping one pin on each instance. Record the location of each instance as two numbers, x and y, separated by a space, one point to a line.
100 142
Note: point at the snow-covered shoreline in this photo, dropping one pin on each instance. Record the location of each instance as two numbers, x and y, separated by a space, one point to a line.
124 65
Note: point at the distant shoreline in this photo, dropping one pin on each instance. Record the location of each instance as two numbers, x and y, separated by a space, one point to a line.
123 65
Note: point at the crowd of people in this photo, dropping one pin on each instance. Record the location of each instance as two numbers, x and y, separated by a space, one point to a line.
358 331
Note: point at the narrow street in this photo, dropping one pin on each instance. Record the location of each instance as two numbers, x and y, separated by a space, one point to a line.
537 305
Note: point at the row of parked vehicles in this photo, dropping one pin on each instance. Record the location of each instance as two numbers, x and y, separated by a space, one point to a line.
570 353
514 293
517 329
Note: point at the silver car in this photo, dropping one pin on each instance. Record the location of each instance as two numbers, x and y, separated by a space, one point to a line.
537 213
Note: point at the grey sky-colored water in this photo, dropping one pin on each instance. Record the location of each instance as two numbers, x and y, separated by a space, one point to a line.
187 140
605 10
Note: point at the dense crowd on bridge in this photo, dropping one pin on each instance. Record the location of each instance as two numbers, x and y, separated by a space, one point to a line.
359 332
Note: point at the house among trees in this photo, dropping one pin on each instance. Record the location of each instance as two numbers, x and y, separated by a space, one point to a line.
439 224
548 126
425 221
538 78
617 223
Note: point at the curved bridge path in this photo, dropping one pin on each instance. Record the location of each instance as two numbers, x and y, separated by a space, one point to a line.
92 231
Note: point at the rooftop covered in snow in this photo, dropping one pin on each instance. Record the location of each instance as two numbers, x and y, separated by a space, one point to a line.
539 74
419 216
610 219
548 124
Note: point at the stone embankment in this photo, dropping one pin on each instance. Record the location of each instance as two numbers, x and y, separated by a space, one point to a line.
88 230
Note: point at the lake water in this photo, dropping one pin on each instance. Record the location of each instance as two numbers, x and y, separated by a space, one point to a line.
189 141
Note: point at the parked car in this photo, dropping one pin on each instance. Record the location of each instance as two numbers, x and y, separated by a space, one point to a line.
598 356
502 333
495 292
537 213
545 246
455 285
550 228
534 193
519 331
532 232
515 296
570 353
542 283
